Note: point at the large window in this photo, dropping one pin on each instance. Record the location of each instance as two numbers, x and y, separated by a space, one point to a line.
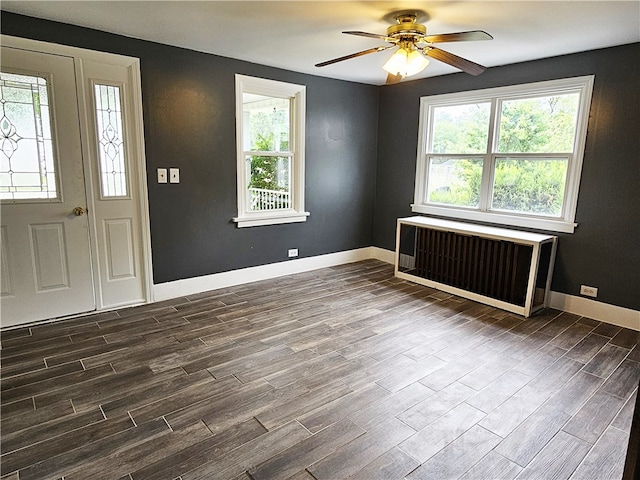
270 143
509 155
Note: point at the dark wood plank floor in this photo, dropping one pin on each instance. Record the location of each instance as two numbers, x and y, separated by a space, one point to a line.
341 372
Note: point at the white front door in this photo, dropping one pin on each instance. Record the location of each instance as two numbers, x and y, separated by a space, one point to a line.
46 260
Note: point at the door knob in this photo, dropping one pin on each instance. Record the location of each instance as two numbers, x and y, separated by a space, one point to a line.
78 211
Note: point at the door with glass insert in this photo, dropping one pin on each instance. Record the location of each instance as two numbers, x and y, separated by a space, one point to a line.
44 234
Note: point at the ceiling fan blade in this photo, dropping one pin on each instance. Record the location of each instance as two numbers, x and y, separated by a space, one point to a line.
354 55
391 79
471 36
454 60
384 38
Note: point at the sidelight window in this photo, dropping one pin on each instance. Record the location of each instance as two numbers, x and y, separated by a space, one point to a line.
110 141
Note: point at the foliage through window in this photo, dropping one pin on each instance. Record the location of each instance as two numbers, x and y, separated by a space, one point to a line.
270 129
509 155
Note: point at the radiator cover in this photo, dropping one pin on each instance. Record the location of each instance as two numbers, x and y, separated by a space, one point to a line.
505 268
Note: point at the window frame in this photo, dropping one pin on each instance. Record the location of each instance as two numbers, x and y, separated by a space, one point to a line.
297 96
565 222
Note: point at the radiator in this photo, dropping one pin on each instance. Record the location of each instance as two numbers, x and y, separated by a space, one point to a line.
505 268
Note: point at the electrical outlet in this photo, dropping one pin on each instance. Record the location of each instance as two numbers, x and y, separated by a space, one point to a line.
174 175
162 175
588 291
293 252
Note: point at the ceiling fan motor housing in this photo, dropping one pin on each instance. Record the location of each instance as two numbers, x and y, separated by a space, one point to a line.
406 26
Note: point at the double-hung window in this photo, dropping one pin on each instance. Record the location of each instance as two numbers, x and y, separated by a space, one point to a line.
270 118
508 155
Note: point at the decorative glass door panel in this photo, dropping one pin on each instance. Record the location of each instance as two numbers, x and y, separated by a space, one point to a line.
113 172
27 163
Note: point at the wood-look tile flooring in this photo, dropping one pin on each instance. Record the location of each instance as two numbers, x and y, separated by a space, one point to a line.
341 372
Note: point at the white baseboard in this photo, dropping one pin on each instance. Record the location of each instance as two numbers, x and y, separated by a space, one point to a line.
383 255
604 312
190 286
623 317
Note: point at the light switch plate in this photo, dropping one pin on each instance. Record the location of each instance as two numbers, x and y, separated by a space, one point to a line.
174 175
162 175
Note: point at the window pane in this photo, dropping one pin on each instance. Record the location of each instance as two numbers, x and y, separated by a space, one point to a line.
266 123
454 181
539 125
534 186
26 150
113 175
269 182
461 128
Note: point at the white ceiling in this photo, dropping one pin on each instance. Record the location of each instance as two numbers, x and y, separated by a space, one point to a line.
295 35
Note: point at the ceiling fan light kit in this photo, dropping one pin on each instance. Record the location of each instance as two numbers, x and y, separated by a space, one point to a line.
406 62
413 45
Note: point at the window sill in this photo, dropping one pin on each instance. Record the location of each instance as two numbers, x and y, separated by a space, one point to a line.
537 223
261 219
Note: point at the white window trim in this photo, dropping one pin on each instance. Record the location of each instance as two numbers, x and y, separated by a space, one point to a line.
564 222
297 93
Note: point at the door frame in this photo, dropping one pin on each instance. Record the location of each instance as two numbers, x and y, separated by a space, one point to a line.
138 175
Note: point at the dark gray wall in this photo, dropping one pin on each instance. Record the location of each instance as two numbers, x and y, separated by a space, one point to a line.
189 117
188 101
604 251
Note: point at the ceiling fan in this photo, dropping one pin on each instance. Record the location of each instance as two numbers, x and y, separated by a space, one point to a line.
414 45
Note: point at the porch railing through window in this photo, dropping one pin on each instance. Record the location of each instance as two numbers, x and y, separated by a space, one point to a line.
262 199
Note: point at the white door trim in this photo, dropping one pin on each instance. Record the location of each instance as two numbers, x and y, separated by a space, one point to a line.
138 174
